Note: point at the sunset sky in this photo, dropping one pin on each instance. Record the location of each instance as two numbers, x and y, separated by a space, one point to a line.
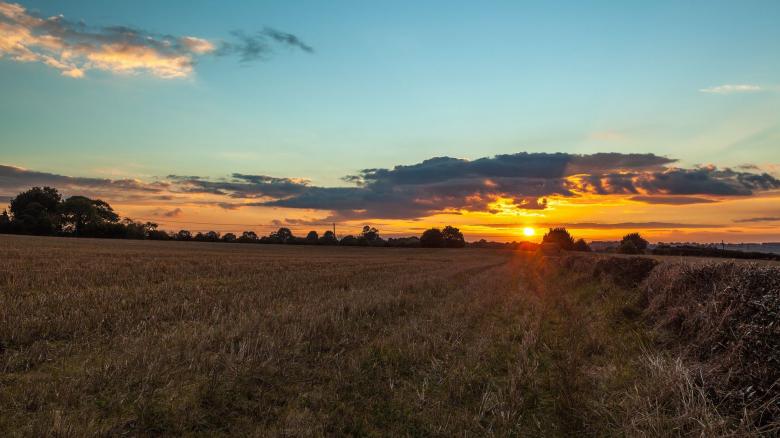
605 117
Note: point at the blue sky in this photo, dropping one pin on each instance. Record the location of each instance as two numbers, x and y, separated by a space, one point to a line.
403 82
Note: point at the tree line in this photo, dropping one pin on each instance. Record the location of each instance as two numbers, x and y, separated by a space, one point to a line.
43 211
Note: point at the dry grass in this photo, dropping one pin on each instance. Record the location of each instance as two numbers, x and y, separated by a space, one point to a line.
727 317
110 338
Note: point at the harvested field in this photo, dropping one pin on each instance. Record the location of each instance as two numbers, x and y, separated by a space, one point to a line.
101 337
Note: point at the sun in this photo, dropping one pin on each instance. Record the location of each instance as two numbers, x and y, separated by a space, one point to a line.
528 231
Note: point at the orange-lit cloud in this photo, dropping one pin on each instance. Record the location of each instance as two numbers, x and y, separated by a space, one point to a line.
75 48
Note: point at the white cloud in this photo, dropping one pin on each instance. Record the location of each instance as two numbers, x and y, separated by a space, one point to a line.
73 49
732 88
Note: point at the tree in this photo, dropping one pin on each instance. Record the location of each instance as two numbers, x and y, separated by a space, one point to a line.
349 240
184 235
432 238
81 215
229 237
329 238
248 236
283 235
155 234
132 230
36 211
453 238
638 242
581 245
369 233
48 198
211 236
561 237
312 237
5 223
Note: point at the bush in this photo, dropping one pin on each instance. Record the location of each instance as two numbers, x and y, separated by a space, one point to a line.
561 237
624 271
633 239
628 247
582 246
726 316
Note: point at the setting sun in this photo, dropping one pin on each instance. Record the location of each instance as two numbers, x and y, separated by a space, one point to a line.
528 231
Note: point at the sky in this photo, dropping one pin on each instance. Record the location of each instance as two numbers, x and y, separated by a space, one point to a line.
605 117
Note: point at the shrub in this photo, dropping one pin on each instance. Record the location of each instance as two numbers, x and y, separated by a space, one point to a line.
561 237
581 245
624 271
639 244
726 316
628 247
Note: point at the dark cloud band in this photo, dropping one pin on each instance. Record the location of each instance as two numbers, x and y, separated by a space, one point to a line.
522 181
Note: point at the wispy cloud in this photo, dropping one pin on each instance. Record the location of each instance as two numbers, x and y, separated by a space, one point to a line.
758 219
672 200
732 89
73 48
176 212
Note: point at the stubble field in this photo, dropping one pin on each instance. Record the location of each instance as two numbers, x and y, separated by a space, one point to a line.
101 337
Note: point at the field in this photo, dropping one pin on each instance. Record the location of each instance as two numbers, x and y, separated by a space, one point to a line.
102 337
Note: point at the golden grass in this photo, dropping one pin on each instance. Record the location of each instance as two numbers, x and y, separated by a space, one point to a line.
101 337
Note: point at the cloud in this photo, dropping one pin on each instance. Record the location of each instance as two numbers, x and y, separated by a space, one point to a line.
636 225
758 219
74 48
242 186
672 200
15 179
258 45
442 185
522 181
704 180
731 89
176 212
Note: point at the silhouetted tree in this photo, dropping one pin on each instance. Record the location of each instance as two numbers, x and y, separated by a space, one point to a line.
209 236
248 237
432 238
84 216
184 235
128 229
312 237
5 223
229 237
639 243
282 235
328 238
349 240
561 237
581 245
453 238
369 233
404 242
154 234
36 211
48 198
